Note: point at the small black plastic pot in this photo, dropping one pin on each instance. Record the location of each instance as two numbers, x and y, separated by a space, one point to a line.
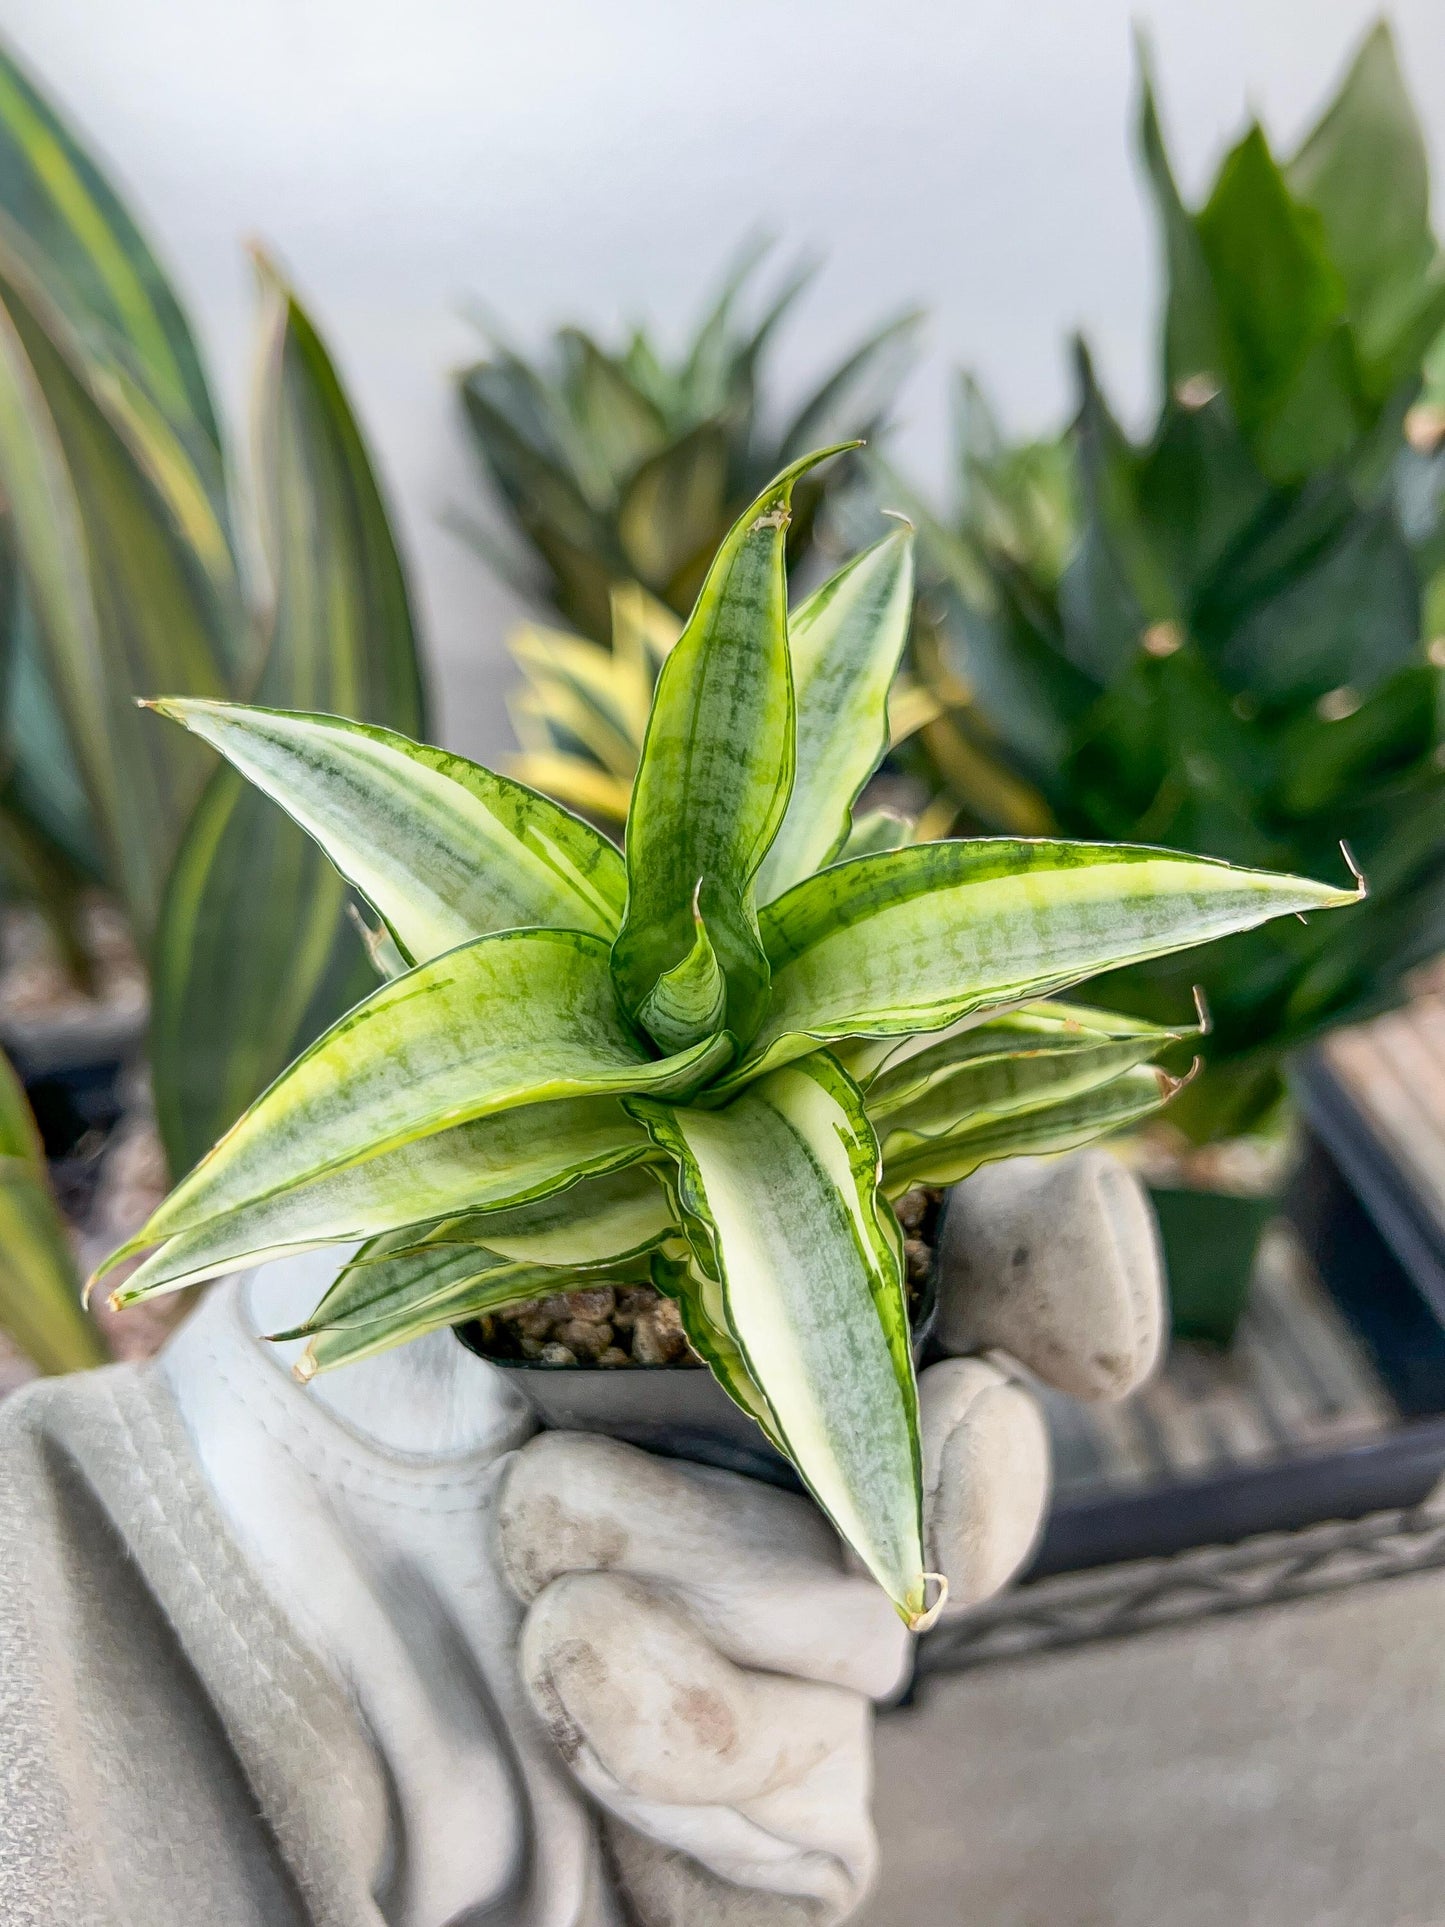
679 1411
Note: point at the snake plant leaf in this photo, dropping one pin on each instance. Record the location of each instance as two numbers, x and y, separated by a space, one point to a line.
1192 345
235 993
1114 585
699 1298
857 390
382 951
115 592
1042 1131
690 1000
519 1017
875 831
61 217
617 425
716 769
384 1279
845 642
603 1220
508 1159
1349 615
1365 171
441 849
1015 1062
667 521
916 939
1289 360
35 871
40 1306
374 1306
594 694
779 1197
37 749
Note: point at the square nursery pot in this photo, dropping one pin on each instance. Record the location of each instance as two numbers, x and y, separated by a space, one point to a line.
1210 1242
677 1410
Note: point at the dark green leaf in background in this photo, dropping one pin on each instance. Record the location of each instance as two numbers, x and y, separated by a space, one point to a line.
39 1283
255 955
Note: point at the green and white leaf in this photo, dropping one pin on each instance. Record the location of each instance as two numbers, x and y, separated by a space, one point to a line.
119 605
876 831
603 1220
511 1158
516 1018
917 939
699 1299
1066 1125
60 216
690 1000
716 770
385 1301
845 642
1037 1055
443 850
778 1194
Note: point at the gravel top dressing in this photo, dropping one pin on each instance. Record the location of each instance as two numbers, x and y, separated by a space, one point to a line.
635 1325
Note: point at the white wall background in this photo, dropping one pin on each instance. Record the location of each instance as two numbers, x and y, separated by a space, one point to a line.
597 158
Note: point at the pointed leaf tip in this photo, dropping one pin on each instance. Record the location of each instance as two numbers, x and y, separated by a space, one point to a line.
922 1622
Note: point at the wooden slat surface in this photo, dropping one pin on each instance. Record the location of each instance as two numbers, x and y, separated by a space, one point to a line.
1294 1378
1394 1071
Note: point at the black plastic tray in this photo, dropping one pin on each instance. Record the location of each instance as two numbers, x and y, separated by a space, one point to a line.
1374 1251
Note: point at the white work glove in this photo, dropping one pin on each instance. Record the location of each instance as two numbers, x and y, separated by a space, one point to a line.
613 1687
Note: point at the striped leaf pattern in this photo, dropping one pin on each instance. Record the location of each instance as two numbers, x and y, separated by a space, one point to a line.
590 1063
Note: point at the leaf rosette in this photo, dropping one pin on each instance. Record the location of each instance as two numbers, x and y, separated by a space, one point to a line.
718 1055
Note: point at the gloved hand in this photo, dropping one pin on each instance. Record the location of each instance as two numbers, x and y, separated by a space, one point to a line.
522 1624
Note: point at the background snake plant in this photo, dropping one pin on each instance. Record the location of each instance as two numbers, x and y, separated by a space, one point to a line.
1227 635
121 571
717 1055
620 472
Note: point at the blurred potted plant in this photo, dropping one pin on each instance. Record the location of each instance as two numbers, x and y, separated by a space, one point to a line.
40 1308
1220 636
123 573
620 472
720 1054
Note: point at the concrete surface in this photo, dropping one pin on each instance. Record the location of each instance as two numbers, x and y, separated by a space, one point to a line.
1281 1768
